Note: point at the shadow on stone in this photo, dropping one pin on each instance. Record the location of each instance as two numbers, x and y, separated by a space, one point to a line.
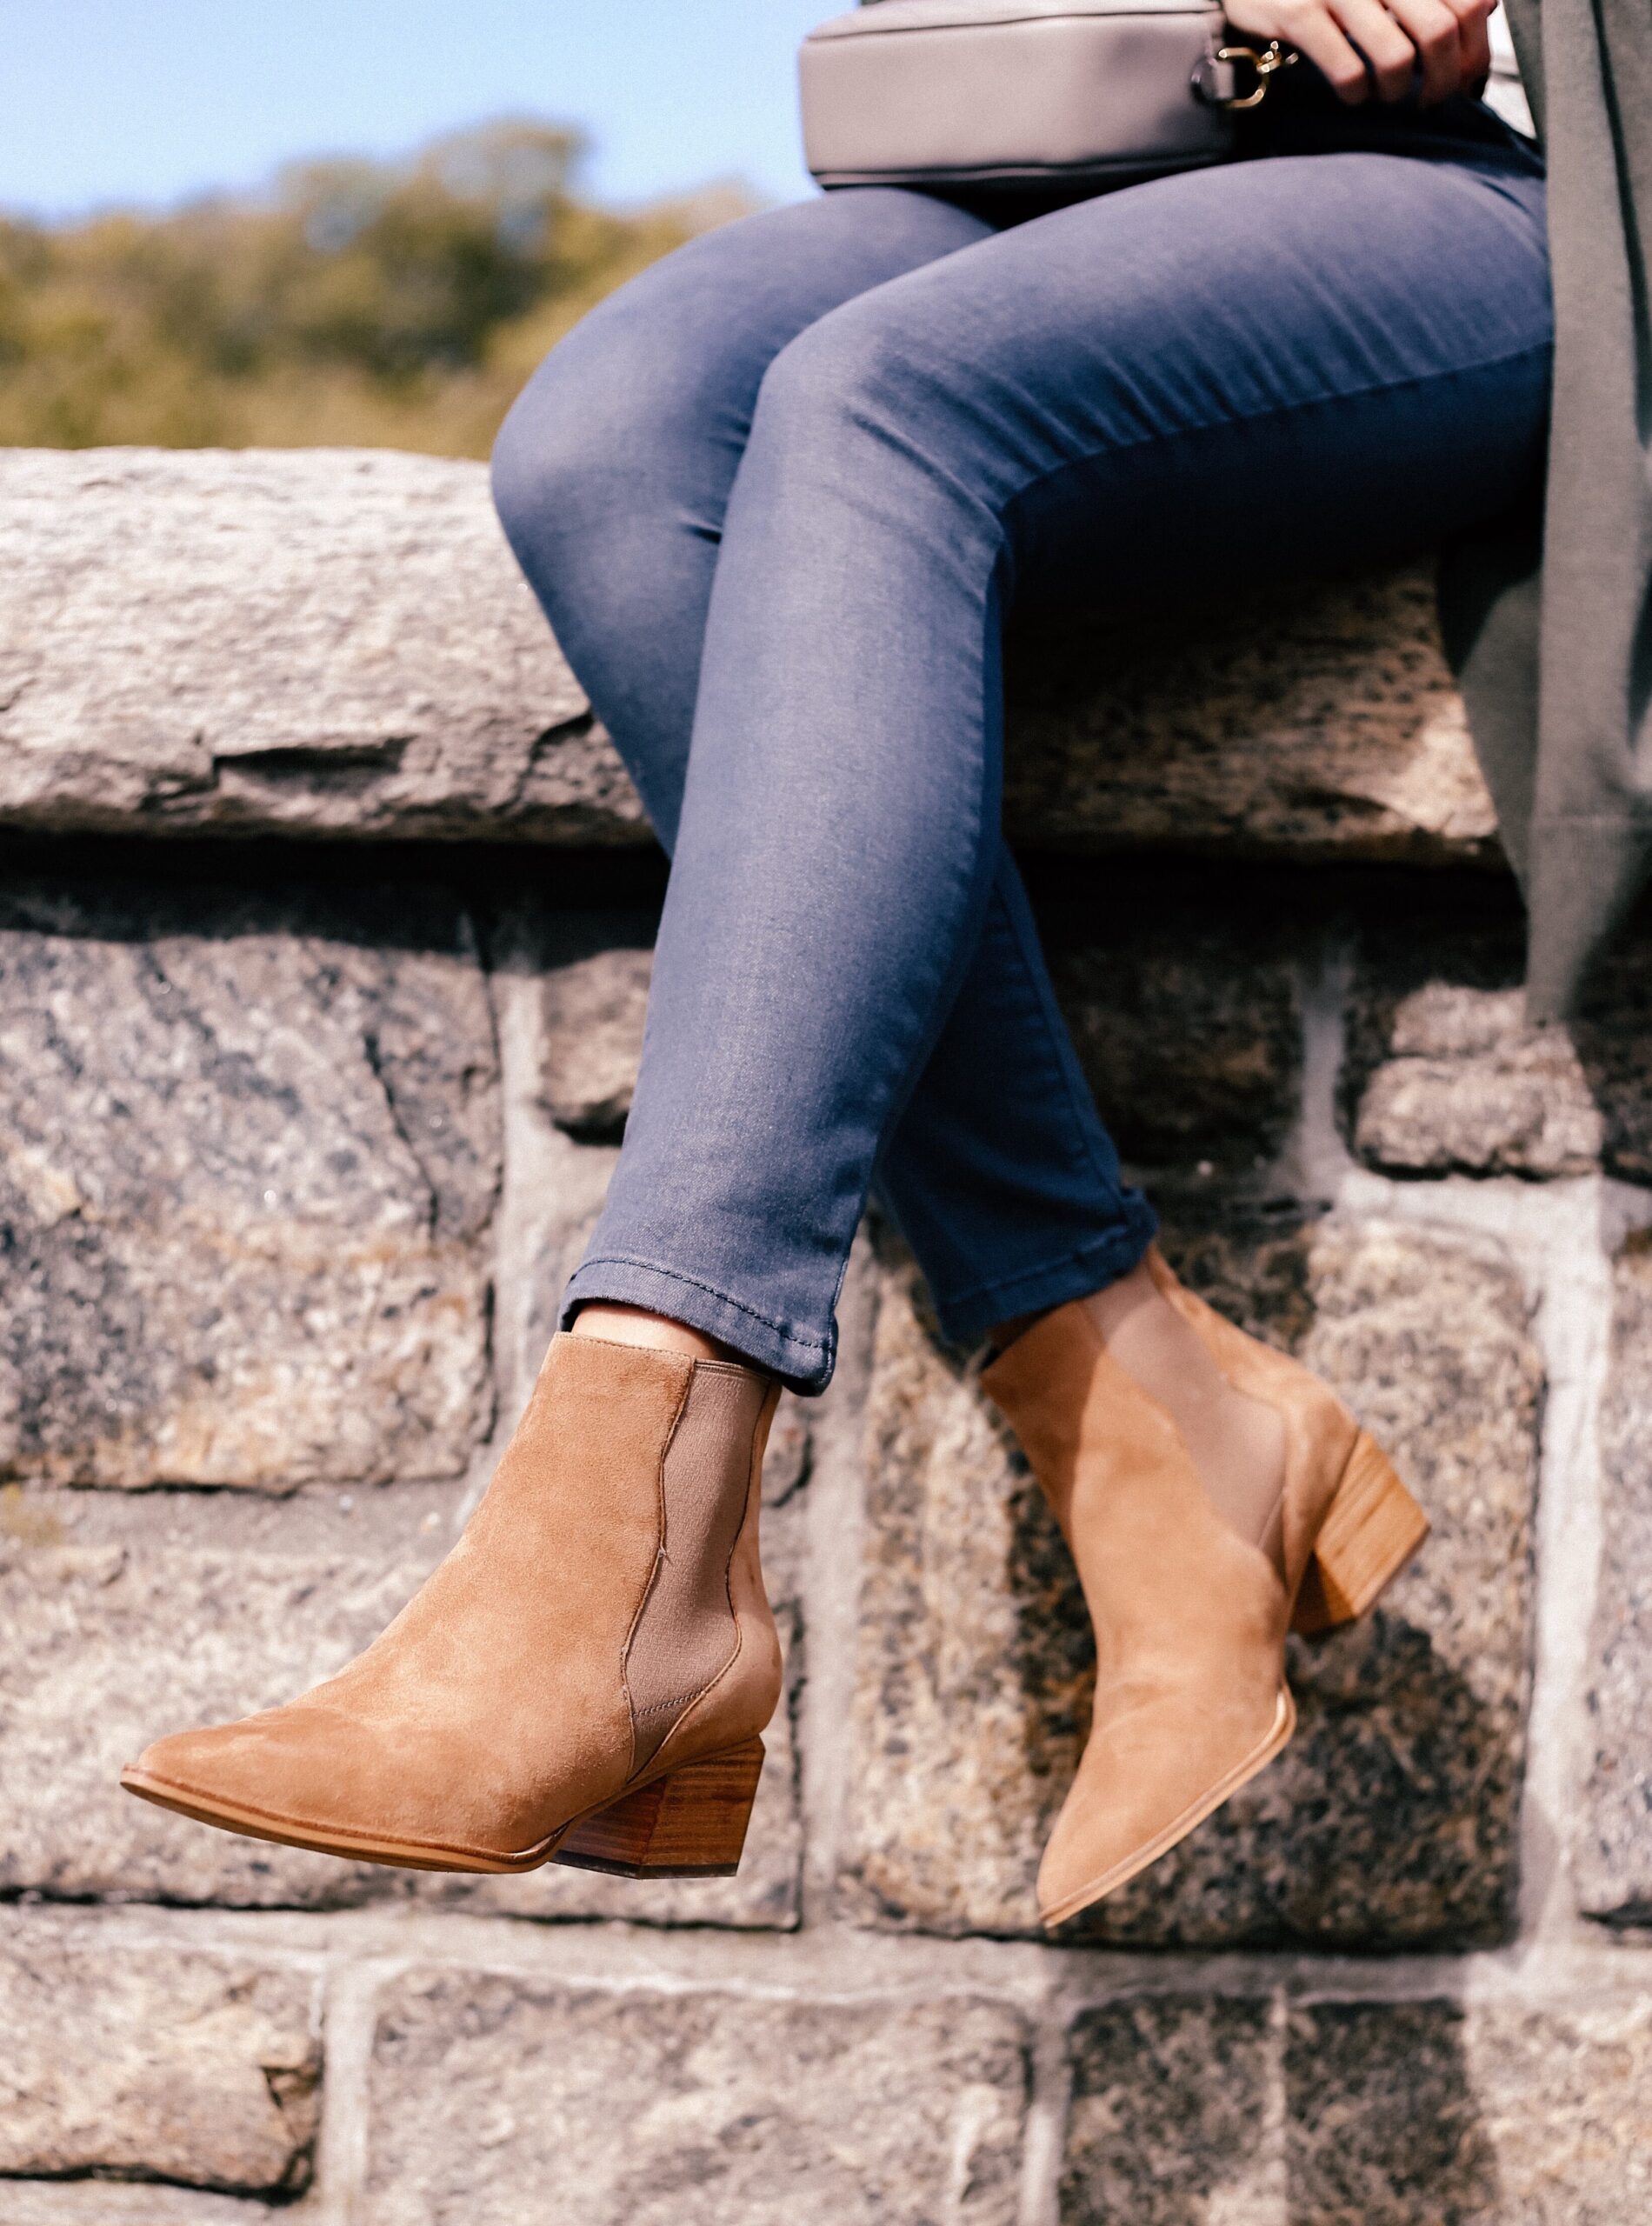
1383 2125
1323 724
1188 2108
1169 2113
594 997
1185 1012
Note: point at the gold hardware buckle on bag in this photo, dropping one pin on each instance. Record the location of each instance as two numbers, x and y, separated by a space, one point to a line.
1212 77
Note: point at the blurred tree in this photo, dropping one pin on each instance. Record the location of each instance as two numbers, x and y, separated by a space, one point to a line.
390 304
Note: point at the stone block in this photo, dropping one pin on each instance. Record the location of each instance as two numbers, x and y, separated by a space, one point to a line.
1332 730
337 643
1234 2112
121 1619
595 1001
496 2102
1188 1027
328 642
555 1184
789 1455
249 1155
1390 1820
154 2063
1412 2114
1613 1037
1169 2116
1445 1074
1612 1848
1468 1086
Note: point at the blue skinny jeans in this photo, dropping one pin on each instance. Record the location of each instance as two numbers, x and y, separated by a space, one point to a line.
776 496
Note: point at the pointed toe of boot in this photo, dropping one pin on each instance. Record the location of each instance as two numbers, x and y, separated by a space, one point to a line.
288 1774
219 1774
1159 1768
319 1775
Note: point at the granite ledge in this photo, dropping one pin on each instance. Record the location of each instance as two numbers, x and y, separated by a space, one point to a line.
337 644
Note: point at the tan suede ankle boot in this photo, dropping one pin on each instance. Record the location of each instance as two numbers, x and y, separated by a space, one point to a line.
582 1680
1191 1617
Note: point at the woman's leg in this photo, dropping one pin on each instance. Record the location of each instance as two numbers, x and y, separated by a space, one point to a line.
1286 363
1352 332
612 476
612 472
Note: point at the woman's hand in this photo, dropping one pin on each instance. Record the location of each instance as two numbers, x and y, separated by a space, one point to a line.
1361 45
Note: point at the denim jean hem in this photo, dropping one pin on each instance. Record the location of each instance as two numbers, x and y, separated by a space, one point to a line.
1075 1275
804 1363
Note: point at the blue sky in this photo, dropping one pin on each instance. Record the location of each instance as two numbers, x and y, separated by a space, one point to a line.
148 100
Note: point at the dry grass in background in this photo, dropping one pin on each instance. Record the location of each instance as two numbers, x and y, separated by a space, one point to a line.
397 305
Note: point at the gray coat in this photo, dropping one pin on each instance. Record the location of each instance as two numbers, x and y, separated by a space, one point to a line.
1556 663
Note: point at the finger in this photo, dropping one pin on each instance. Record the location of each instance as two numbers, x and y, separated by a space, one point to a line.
1391 55
1309 27
1473 33
1433 30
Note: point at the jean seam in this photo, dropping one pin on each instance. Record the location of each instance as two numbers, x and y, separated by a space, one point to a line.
1055 1074
1083 1116
914 1076
697 1283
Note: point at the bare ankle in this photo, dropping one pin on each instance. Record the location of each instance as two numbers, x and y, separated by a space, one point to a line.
634 1325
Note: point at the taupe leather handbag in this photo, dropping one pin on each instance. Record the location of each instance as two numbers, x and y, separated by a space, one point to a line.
1024 93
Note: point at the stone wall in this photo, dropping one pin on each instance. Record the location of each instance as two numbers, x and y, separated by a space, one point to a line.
299 1135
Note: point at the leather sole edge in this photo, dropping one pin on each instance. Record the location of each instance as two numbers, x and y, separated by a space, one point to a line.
413 1854
401 1854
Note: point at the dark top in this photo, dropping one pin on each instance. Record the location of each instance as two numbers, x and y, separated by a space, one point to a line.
1303 116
